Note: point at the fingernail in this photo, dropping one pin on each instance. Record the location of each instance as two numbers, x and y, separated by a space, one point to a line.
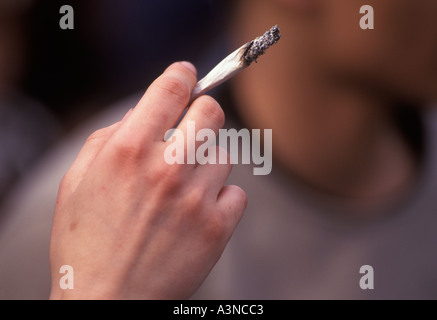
190 66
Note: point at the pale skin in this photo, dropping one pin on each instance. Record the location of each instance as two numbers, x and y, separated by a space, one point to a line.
131 223
132 226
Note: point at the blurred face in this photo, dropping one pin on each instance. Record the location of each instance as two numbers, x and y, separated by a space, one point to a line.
398 57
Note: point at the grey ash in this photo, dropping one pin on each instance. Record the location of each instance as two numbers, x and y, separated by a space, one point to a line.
259 46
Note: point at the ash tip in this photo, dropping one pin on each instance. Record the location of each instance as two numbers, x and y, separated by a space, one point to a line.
259 46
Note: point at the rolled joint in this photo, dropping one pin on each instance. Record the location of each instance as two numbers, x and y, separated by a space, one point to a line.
258 46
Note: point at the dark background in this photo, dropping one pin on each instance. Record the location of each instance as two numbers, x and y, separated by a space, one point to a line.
116 48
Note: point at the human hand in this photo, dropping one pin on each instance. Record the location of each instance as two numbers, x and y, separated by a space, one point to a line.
133 226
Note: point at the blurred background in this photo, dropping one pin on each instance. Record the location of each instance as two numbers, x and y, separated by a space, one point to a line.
58 86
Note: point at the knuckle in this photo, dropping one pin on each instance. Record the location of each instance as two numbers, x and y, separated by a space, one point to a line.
242 195
64 185
194 200
128 151
192 205
216 229
174 87
239 200
103 133
96 135
236 206
166 177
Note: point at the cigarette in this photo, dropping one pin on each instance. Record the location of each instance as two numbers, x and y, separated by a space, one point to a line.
236 61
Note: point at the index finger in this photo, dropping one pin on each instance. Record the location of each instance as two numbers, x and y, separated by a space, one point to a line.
164 102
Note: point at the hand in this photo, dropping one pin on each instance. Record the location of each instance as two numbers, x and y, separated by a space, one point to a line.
133 226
